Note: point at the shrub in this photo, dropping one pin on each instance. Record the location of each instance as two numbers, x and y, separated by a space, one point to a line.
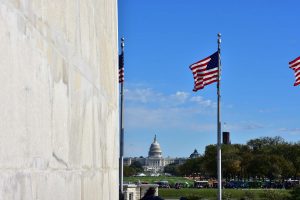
226 196
194 197
274 195
248 196
295 194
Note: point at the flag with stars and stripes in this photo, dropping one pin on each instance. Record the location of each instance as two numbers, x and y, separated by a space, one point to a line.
205 71
121 68
295 65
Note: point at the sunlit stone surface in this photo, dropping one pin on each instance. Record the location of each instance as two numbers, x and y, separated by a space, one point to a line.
58 100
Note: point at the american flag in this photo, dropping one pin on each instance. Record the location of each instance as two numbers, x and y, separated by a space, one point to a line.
121 68
295 65
205 71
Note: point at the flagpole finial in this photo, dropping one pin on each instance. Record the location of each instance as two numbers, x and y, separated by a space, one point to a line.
219 38
122 42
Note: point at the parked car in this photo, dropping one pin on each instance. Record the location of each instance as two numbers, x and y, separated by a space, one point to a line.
201 184
162 184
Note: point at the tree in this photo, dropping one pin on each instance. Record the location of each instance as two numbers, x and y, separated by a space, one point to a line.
294 157
129 171
134 168
288 169
193 167
231 161
137 166
295 194
245 155
266 157
264 143
210 160
172 169
272 157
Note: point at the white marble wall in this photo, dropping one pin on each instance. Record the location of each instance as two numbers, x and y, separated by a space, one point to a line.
58 100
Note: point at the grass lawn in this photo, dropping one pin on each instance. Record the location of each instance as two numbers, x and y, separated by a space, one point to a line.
152 179
209 194
233 194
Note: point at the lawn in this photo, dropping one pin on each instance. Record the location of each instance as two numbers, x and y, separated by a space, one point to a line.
152 179
209 194
233 194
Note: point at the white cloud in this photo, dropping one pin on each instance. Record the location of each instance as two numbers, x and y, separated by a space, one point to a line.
291 131
179 97
252 126
150 109
204 102
166 118
146 95
147 108
143 95
244 126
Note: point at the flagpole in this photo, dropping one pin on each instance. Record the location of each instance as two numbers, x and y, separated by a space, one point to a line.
121 163
219 123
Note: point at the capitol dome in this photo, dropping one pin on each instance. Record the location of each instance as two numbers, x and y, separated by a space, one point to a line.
155 150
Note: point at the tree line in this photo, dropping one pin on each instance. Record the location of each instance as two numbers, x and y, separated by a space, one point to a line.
263 158
133 169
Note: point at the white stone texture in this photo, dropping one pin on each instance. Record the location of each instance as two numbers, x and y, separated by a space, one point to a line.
58 100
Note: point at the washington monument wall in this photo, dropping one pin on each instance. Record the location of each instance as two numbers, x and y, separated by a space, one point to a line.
58 100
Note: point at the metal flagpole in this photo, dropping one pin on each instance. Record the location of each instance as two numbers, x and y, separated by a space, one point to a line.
121 127
219 123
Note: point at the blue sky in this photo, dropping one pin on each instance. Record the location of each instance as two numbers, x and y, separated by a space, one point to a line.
163 37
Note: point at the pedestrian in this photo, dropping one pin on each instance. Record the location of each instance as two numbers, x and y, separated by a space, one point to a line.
149 195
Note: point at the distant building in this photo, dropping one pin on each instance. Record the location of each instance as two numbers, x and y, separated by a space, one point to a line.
129 160
155 162
226 138
195 154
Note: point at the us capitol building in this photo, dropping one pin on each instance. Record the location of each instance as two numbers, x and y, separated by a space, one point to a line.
155 162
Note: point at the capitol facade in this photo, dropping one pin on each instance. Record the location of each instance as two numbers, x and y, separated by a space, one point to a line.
155 162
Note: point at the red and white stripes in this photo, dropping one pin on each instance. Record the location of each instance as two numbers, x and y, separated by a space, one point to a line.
295 65
204 75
